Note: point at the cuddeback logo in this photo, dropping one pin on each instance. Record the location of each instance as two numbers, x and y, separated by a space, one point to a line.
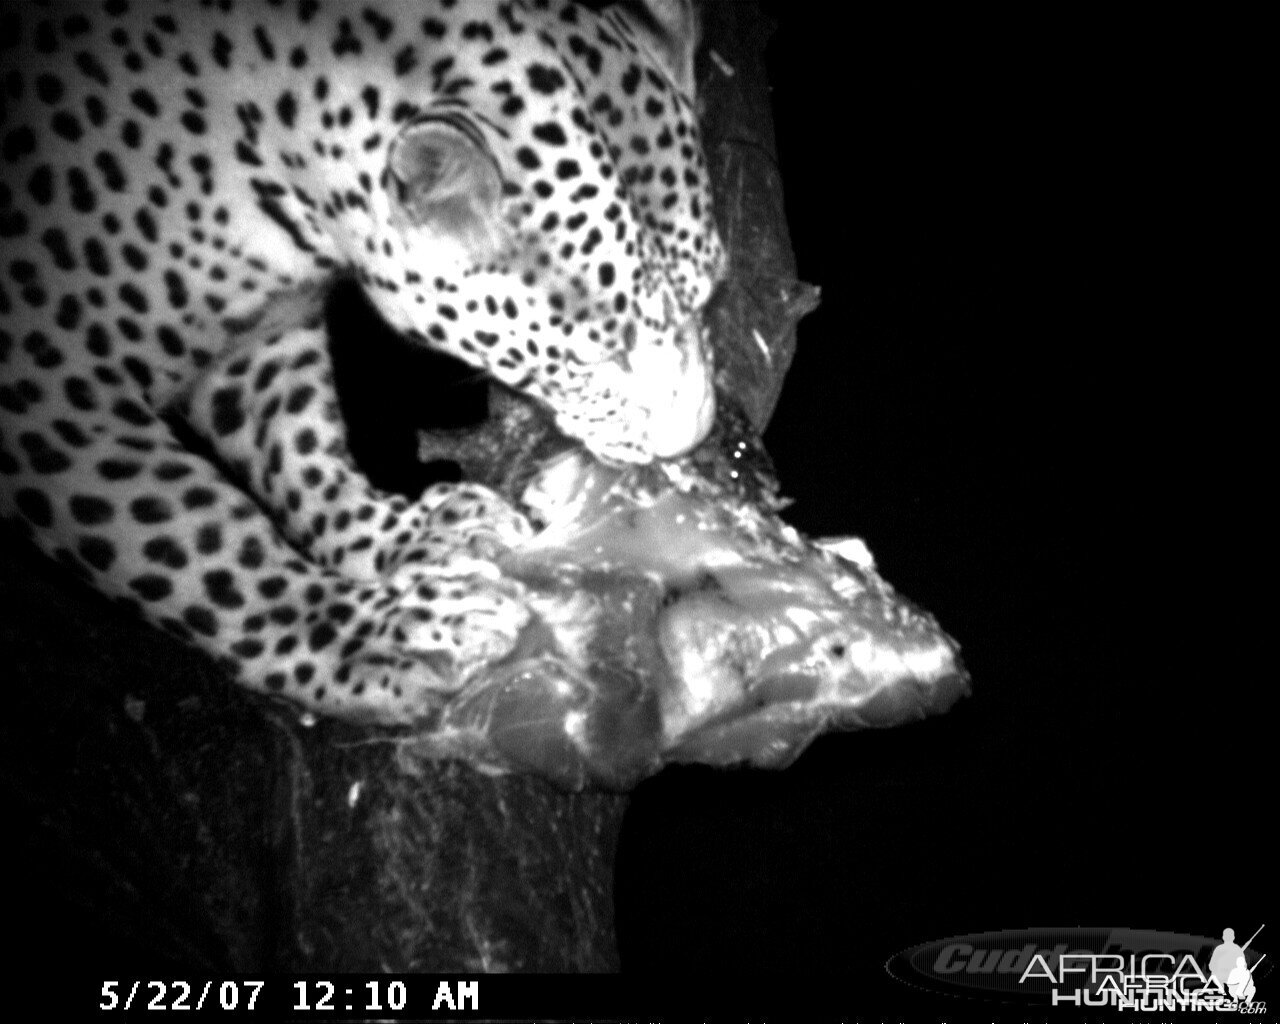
1121 968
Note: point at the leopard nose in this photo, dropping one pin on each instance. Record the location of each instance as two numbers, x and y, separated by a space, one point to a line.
684 417
675 383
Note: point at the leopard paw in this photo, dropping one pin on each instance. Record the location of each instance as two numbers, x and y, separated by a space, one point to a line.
459 525
471 620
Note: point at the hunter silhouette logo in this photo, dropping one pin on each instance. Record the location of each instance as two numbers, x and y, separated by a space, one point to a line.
1229 971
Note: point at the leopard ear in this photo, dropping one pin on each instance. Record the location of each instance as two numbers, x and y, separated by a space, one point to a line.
671 33
442 180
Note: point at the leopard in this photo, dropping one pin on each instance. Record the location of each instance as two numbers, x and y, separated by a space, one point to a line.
520 184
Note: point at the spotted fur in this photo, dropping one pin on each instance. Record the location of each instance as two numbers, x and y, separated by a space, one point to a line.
518 184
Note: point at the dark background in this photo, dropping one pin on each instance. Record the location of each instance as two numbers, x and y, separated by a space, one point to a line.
1010 398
